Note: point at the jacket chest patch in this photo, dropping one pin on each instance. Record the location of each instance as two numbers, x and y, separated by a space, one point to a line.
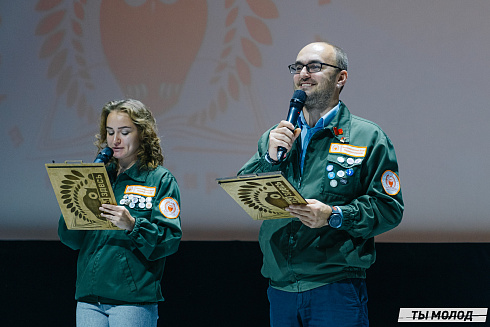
140 190
347 149
138 196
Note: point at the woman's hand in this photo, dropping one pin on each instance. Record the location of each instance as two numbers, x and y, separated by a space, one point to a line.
118 215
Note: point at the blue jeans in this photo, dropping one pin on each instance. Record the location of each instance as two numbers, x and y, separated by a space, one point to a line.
340 304
105 315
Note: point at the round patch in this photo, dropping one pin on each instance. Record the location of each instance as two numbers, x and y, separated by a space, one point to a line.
169 208
390 182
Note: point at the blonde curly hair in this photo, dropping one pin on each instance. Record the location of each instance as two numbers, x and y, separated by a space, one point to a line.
150 151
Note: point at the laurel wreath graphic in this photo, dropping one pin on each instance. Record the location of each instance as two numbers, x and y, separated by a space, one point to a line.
236 68
66 60
68 66
233 69
234 65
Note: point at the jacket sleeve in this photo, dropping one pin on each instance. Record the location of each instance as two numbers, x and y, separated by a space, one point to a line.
380 207
159 236
71 238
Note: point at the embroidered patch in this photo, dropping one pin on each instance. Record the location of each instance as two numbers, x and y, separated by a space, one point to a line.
350 150
140 190
390 182
169 208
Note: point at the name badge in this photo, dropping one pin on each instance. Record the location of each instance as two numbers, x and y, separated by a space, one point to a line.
347 149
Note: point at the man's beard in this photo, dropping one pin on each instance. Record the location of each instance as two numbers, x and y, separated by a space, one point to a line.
321 98
318 101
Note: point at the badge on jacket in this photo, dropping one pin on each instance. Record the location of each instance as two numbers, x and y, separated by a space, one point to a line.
390 182
169 208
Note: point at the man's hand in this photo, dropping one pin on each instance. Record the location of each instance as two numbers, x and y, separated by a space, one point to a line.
283 135
315 214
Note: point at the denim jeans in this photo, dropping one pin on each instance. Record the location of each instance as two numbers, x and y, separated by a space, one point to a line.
105 315
340 304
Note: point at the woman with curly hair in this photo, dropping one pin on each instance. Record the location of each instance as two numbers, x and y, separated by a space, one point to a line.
119 271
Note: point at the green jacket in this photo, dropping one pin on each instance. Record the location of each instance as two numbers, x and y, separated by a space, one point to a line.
118 267
367 189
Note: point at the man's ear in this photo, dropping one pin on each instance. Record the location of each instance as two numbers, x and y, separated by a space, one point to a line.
342 78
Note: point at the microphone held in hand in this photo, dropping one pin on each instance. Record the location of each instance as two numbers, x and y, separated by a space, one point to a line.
104 155
295 106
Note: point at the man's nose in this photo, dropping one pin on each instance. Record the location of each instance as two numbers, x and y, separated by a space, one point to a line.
304 72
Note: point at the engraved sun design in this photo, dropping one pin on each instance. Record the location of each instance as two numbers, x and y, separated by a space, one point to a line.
264 198
77 192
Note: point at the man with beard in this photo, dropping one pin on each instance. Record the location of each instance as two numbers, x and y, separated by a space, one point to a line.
346 169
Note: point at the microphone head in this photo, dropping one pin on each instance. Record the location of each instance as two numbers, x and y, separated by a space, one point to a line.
104 155
299 96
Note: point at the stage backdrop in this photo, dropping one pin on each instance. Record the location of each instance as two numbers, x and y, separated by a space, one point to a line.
215 75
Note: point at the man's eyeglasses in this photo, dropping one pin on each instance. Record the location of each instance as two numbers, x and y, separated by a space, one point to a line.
313 67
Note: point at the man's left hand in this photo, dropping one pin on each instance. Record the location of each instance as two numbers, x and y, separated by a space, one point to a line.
315 214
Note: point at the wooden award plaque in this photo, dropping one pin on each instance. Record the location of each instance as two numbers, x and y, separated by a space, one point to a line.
262 196
80 189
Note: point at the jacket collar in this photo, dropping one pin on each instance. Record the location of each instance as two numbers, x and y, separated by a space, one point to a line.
137 172
339 127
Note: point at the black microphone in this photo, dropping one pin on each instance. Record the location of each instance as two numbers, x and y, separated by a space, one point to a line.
295 106
104 155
